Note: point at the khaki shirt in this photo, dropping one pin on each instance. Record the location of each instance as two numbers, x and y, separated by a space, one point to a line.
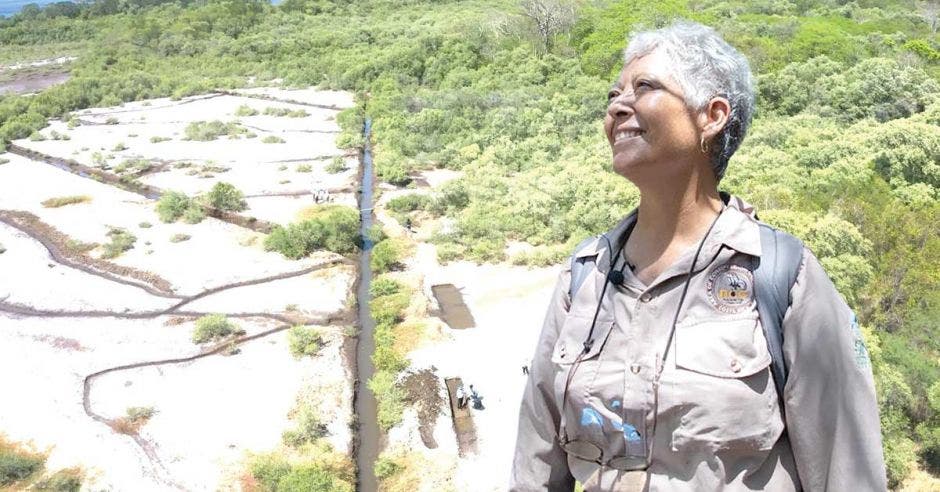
719 424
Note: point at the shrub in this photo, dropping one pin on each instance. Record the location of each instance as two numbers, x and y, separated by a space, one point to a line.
178 238
304 168
65 200
336 165
387 255
225 196
145 225
204 131
17 464
36 137
245 110
390 398
335 230
275 473
389 309
140 414
67 480
386 467
309 429
121 241
118 147
409 203
194 213
159 139
304 340
272 139
111 121
212 327
384 286
172 205
297 113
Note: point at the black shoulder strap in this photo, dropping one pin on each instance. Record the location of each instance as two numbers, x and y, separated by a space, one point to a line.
781 255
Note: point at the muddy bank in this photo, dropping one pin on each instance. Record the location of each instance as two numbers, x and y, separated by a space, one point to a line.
453 309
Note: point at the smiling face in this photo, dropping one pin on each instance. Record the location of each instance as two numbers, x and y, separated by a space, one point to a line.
651 131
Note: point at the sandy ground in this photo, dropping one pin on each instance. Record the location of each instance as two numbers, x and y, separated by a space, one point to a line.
110 136
508 304
211 413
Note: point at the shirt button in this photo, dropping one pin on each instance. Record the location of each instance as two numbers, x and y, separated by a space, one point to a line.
735 365
646 297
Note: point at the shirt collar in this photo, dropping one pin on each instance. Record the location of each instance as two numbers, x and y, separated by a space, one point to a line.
737 228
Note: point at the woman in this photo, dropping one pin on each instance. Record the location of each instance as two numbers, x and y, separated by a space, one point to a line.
659 377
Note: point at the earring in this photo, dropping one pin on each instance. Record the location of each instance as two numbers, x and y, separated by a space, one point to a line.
703 145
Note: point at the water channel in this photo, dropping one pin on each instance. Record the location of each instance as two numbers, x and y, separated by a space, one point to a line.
367 449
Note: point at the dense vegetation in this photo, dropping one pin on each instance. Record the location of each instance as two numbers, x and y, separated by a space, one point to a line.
845 150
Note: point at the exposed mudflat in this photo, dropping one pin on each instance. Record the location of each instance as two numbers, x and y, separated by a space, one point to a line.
85 337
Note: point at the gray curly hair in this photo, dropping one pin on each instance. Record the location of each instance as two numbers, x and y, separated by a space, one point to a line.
706 67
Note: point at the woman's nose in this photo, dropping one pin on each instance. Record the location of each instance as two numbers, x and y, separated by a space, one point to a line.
621 106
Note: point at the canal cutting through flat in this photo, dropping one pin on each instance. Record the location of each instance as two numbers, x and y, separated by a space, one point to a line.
368 435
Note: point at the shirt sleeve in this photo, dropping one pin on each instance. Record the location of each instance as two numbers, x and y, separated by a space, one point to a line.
831 408
539 463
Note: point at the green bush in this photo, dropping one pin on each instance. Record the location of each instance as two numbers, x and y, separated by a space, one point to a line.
386 467
225 196
304 168
17 464
274 473
157 139
409 203
194 213
335 230
213 327
180 237
121 241
336 165
389 309
304 341
386 255
384 286
308 430
272 139
205 131
67 480
390 398
245 110
65 200
172 205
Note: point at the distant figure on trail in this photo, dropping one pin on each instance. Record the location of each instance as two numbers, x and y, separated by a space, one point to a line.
662 364
477 399
461 396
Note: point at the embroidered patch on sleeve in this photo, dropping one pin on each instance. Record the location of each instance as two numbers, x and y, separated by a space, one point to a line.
861 353
730 288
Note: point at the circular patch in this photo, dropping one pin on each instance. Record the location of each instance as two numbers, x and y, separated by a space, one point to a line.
730 288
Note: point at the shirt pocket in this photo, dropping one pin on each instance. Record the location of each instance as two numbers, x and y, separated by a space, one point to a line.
725 396
574 332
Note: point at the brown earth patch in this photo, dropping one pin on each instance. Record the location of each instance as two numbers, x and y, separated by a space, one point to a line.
423 391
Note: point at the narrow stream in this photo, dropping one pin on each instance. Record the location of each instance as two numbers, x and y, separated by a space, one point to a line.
365 406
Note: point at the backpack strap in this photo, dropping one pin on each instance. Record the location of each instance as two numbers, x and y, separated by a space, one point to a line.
580 268
779 263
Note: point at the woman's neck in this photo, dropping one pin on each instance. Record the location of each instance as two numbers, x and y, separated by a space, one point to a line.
670 219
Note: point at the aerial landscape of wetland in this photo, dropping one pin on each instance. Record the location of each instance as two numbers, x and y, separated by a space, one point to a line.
309 244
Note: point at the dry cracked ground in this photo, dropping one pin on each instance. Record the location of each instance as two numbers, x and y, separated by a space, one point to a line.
93 343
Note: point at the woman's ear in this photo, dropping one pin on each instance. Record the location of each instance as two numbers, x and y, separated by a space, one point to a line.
714 117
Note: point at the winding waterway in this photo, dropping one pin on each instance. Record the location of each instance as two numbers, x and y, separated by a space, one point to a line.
365 405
